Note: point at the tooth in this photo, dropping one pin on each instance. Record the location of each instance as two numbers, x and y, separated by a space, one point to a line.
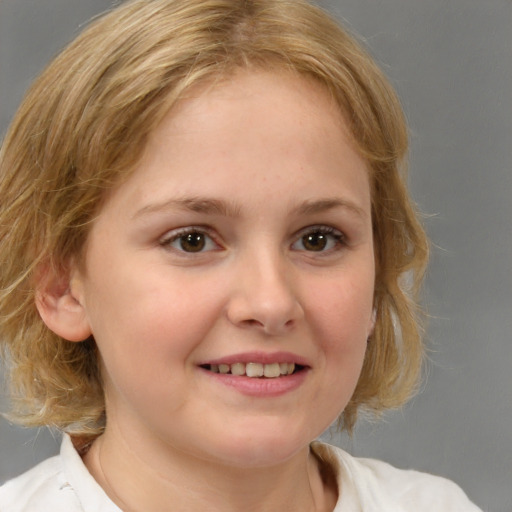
223 368
238 369
254 370
271 370
291 368
283 368
214 368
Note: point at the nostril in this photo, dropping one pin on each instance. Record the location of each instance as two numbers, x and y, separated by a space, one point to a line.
250 322
270 326
271 313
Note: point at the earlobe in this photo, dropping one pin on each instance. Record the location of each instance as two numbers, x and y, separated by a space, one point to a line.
371 325
60 307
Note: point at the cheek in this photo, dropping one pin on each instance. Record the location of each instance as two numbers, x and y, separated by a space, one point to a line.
154 321
342 319
344 309
340 331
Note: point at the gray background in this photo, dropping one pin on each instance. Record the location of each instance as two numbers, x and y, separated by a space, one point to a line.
451 61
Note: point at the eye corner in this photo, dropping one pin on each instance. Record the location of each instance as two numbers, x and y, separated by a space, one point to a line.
192 240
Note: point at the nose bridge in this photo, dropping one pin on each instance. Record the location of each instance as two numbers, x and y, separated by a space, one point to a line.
264 293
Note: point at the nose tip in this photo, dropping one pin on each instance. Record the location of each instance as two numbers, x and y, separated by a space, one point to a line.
266 301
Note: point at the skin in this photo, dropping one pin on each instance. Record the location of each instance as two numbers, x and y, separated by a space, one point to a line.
269 156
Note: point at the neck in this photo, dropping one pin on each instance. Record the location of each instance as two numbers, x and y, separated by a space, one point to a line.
153 481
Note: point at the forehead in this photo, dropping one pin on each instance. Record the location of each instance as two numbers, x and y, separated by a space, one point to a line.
252 128
256 92
277 106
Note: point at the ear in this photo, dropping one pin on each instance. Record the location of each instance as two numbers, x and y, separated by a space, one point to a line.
60 305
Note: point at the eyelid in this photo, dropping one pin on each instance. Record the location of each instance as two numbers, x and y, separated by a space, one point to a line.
339 236
171 236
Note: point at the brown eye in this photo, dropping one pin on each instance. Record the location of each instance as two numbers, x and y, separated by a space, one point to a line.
315 241
319 239
189 241
192 242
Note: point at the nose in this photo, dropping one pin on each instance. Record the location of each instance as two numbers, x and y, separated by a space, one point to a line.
265 296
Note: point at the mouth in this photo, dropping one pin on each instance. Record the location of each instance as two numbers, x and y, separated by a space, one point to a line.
255 370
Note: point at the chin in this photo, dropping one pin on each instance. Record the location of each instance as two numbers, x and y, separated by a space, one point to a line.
257 456
263 448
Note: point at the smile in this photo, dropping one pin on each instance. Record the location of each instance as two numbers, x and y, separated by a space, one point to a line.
255 370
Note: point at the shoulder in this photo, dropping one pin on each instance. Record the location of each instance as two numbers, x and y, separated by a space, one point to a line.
42 488
377 486
415 489
59 484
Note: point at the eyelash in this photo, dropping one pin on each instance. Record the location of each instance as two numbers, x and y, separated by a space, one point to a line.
337 237
175 236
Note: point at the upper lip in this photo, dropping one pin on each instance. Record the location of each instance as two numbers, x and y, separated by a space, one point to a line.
258 357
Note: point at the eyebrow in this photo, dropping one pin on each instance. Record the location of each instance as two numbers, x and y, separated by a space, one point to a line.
323 205
223 208
193 204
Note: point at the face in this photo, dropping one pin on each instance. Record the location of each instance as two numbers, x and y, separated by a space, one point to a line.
229 281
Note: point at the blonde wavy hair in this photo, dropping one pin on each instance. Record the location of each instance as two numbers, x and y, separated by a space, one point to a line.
82 127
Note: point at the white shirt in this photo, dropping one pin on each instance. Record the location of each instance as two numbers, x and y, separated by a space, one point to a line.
63 484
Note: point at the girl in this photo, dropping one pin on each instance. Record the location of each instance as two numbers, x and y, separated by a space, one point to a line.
208 256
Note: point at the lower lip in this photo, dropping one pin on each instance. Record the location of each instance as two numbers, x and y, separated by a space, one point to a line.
261 387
